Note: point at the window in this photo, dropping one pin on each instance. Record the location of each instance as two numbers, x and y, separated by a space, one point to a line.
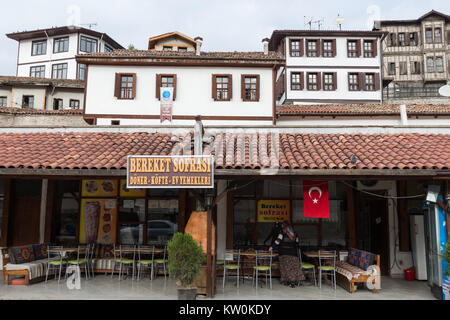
329 81
296 47
88 44
74 104
403 68
437 35
415 67
182 49
3 101
401 39
61 45
439 64
39 47
368 49
222 85
296 80
167 48
391 70
66 213
412 39
108 48
81 71
392 40
115 122
369 82
164 81
126 87
353 84
328 50
250 87
28 102
57 104
313 81
37 72
312 48
352 50
59 71
430 65
429 35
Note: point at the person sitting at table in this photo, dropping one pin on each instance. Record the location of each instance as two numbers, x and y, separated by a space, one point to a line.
287 243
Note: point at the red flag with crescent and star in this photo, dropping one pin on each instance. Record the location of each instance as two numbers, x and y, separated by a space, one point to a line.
315 199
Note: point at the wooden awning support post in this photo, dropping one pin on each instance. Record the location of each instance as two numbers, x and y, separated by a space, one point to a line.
351 215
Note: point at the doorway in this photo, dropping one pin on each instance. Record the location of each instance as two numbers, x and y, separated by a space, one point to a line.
373 229
25 209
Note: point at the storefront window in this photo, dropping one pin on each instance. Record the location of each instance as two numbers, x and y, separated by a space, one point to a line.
2 199
244 222
66 212
162 220
276 189
131 233
131 220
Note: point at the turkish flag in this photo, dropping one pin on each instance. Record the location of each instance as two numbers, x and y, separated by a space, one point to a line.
315 199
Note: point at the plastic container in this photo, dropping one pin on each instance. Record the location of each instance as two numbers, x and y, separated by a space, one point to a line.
410 274
19 281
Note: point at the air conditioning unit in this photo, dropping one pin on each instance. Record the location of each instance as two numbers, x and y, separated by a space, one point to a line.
374 185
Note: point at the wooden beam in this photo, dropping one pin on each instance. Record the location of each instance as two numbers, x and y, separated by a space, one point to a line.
230 220
6 213
182 210
403 218
209 284
49 210
351 218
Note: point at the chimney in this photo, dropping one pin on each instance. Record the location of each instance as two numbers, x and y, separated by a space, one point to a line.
198 40
198 136
266 46
403 115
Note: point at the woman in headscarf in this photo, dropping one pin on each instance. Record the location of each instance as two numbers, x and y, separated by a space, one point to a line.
287 243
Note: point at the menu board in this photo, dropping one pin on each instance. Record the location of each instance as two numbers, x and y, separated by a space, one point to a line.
125 192
98 221
99 188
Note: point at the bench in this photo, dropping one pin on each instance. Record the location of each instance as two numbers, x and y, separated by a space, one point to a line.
28 261
358 268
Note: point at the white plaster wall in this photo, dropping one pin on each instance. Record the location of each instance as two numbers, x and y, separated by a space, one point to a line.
24 70
375 121
66 95
38 93
193 94
6 92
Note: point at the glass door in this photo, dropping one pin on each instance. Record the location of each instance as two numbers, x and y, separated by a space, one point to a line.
432 250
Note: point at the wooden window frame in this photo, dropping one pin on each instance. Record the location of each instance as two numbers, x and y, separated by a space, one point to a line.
356 51
440 35
166 48
55 68
5 99
428 65
429 38
79 73
115 122
300 84
118 86
215 89
372 53
317 48
333 84
415 67
58 100
353 86
23 102
367 83
37 42
331 53
436 64
318 81
403 68
57 42
393 73
90 40
299 50
400 42
258 89
34 76
158 80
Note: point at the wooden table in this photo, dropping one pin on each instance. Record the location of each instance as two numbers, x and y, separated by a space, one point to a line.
64 251
315 254
141 250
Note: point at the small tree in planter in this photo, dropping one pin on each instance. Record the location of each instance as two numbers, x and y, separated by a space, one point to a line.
446 257
185 259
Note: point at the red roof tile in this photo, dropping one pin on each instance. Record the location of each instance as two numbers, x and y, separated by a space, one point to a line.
27 111
361 109
108 150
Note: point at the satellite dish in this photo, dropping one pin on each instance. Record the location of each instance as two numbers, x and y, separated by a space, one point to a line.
309 21
339 20
445 90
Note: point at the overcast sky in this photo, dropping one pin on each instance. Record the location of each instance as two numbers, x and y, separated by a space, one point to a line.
225 25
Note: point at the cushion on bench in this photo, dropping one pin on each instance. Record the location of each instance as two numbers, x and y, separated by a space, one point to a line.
40 251
359 258
349 271
19 255
35 269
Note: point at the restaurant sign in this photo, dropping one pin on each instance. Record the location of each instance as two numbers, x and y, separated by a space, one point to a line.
274 210
170 171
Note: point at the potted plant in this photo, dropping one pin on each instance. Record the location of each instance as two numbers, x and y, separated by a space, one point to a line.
446 257
185 258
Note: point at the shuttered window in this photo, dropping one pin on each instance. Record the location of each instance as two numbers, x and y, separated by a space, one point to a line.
314 83
125 87
250 87
296 47
330 81
353 48
329 48
313 48
370 48
296 80
222 87
353 82
166 81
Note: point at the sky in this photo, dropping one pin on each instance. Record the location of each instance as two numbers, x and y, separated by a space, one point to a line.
225 25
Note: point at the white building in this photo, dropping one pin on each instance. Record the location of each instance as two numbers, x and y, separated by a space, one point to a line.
328 66
236 88
50 53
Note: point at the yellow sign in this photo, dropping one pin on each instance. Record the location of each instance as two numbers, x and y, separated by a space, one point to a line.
274 210
99 188
135 193
98 221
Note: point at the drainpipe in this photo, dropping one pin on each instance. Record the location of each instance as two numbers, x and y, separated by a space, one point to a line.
51 54
198 136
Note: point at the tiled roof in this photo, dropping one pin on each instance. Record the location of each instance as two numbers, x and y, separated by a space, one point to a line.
108 150
142 54
61 83
362 109
26 111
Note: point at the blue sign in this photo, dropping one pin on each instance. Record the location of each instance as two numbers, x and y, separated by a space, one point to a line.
442 242
166 94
